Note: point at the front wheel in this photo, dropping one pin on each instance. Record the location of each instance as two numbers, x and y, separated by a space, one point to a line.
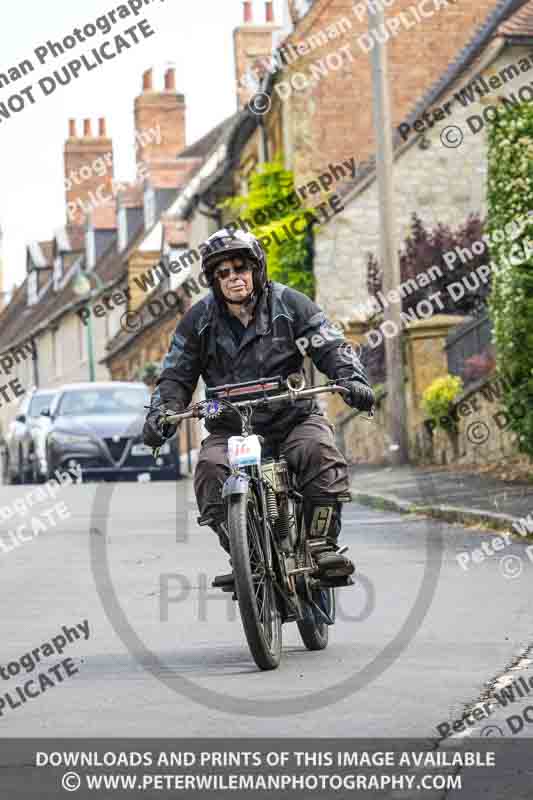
254 585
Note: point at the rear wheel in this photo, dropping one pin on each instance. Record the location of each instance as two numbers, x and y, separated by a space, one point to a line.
253 580
315 634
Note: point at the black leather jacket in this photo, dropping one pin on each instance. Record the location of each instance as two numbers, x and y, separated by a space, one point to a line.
203 345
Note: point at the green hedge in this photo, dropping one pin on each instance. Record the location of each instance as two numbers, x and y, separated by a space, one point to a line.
510 197
291 261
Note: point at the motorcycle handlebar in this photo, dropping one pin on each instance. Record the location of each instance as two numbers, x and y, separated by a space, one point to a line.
195 412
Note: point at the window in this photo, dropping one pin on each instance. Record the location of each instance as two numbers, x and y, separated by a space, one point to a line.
58 271
122 229
149 207
104 401
90 247
32 287
177 278
40 402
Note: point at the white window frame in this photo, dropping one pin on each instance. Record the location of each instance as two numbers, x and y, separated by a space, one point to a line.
177 278
149 207
32 288
122 228
58 271
90 247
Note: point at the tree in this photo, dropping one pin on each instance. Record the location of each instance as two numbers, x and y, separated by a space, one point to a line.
273 208
424 248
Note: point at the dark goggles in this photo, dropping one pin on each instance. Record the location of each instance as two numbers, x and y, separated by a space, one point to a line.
224 272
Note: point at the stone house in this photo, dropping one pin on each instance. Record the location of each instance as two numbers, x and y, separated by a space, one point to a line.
440 172
106 241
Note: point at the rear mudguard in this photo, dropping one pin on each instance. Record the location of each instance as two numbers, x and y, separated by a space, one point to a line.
235 484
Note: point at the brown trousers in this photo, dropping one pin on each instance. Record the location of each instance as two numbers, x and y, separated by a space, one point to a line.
309 449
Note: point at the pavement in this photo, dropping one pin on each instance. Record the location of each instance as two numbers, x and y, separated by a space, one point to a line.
454 496
433 628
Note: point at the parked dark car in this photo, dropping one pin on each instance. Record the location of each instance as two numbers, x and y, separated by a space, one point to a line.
98 426
23 455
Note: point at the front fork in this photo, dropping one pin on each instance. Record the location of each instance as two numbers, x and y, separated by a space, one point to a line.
238 483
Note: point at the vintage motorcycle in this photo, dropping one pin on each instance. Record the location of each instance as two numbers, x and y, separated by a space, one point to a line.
275 576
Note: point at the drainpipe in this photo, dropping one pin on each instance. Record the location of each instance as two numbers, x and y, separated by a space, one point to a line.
263 141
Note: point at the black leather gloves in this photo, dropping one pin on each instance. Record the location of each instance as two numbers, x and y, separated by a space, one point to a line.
156 431
360 397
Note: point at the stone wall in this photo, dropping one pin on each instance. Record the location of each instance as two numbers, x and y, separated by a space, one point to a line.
482 433
441 184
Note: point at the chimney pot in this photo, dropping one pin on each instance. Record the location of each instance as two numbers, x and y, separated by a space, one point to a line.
170 79
269 10
102 127
248 15
87 127
72 128
148 80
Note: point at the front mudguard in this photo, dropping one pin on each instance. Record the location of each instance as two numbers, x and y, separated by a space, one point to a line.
236 484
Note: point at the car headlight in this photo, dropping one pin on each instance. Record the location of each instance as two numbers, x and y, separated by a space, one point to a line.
68 439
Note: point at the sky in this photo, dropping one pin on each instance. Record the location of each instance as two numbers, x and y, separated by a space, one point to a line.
195 37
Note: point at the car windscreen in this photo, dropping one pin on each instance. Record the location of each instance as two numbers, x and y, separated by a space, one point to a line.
38 403
104 401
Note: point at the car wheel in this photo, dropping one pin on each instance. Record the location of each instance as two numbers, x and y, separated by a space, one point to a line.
36 476
11 478
21 473
5 470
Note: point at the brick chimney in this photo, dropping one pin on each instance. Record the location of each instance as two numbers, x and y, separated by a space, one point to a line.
159 120
88 169
252 43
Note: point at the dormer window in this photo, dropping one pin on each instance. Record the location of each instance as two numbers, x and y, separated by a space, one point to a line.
32 288
149 208
58 271
122 229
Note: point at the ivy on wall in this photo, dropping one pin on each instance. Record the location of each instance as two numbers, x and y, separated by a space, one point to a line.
510 197
289 256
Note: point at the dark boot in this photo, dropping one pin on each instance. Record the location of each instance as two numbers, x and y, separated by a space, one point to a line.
214 517
323 524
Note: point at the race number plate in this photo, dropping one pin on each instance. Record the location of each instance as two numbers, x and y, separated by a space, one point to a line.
244 451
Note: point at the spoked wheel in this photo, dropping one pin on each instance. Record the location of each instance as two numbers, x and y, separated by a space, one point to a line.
253 582
315 633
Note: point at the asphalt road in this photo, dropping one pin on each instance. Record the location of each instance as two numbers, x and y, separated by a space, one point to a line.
415 644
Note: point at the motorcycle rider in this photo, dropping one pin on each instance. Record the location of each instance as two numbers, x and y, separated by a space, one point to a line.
245 328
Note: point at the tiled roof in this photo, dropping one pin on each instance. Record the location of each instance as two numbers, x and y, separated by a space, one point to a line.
19 321
520 25
125 338
202 147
